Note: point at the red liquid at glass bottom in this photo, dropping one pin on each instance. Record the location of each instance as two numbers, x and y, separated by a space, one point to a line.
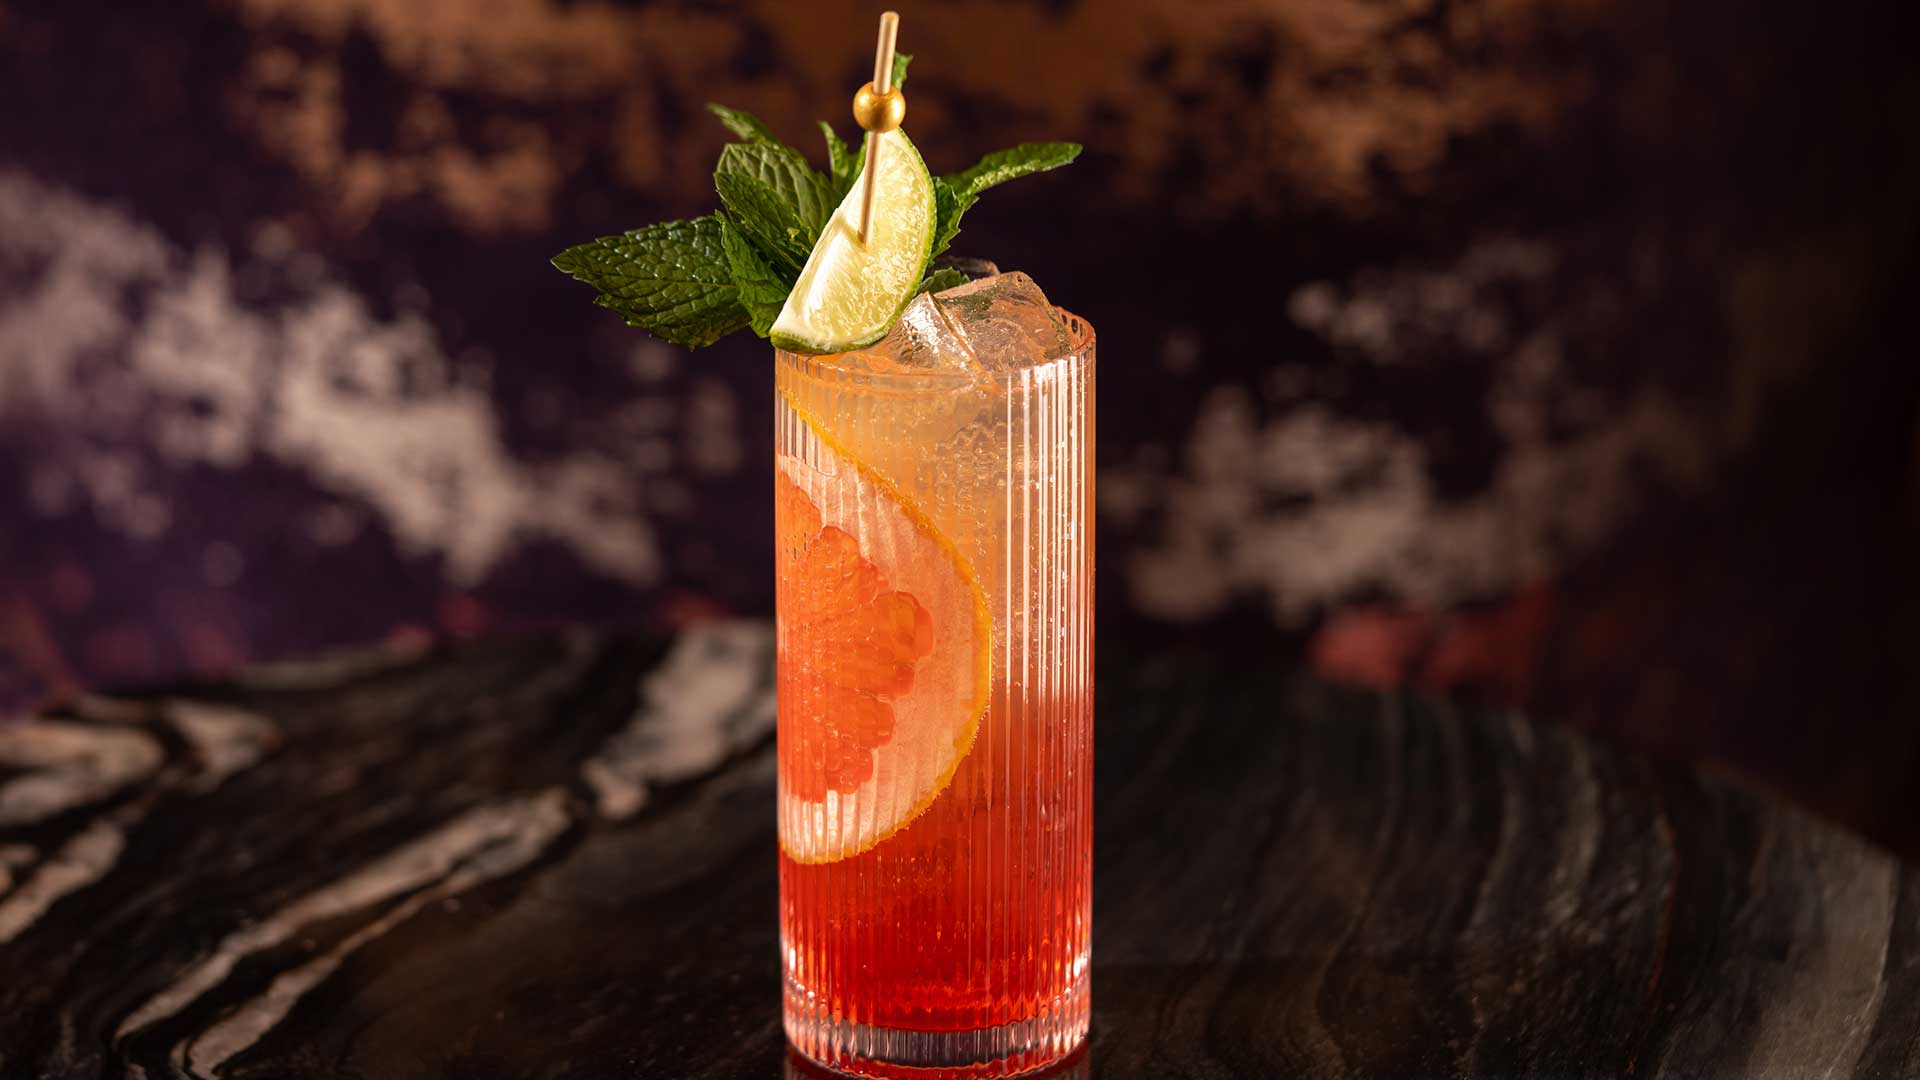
959 946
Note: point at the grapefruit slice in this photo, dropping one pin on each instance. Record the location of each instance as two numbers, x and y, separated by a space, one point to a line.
884 639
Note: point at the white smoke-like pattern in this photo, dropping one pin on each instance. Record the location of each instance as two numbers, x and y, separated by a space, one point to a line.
1305 507
127 357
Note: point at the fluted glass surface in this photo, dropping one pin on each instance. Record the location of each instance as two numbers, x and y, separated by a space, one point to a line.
936 711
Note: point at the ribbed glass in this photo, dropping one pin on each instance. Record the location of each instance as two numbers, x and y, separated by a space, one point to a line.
954 941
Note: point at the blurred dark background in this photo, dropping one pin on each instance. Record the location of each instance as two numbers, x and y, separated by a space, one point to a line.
1559 355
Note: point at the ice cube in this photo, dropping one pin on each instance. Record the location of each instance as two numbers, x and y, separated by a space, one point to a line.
924 339
1005 322
920 343
996 324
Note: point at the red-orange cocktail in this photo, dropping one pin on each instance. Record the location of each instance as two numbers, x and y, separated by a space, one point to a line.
935 577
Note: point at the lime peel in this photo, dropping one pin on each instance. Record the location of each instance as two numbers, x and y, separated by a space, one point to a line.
849 294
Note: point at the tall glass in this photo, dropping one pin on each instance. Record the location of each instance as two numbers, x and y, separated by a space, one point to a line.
935 591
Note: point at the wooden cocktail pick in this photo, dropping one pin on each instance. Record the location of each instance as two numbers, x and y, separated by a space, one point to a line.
878 107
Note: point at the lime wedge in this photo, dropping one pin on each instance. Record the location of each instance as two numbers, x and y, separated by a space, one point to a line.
850 293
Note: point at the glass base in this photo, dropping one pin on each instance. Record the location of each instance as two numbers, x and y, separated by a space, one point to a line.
1010 1049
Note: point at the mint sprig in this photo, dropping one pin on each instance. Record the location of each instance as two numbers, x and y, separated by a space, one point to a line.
776 198
671 280
843 162
694 282
763 289
956 193
941 279
743 124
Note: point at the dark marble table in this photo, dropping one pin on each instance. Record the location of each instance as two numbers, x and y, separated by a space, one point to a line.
556 859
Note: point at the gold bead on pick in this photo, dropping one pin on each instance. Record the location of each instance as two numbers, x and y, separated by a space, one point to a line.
875 111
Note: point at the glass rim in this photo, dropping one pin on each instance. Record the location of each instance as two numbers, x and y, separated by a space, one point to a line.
821 366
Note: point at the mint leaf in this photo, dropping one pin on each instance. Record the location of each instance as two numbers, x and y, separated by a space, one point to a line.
775 198
855 165
743 124
941 280
946 216
955 193
843 162
763 290
692 282
1011 164
671 280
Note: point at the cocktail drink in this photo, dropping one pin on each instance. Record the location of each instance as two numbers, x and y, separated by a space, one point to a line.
933 480
935 600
